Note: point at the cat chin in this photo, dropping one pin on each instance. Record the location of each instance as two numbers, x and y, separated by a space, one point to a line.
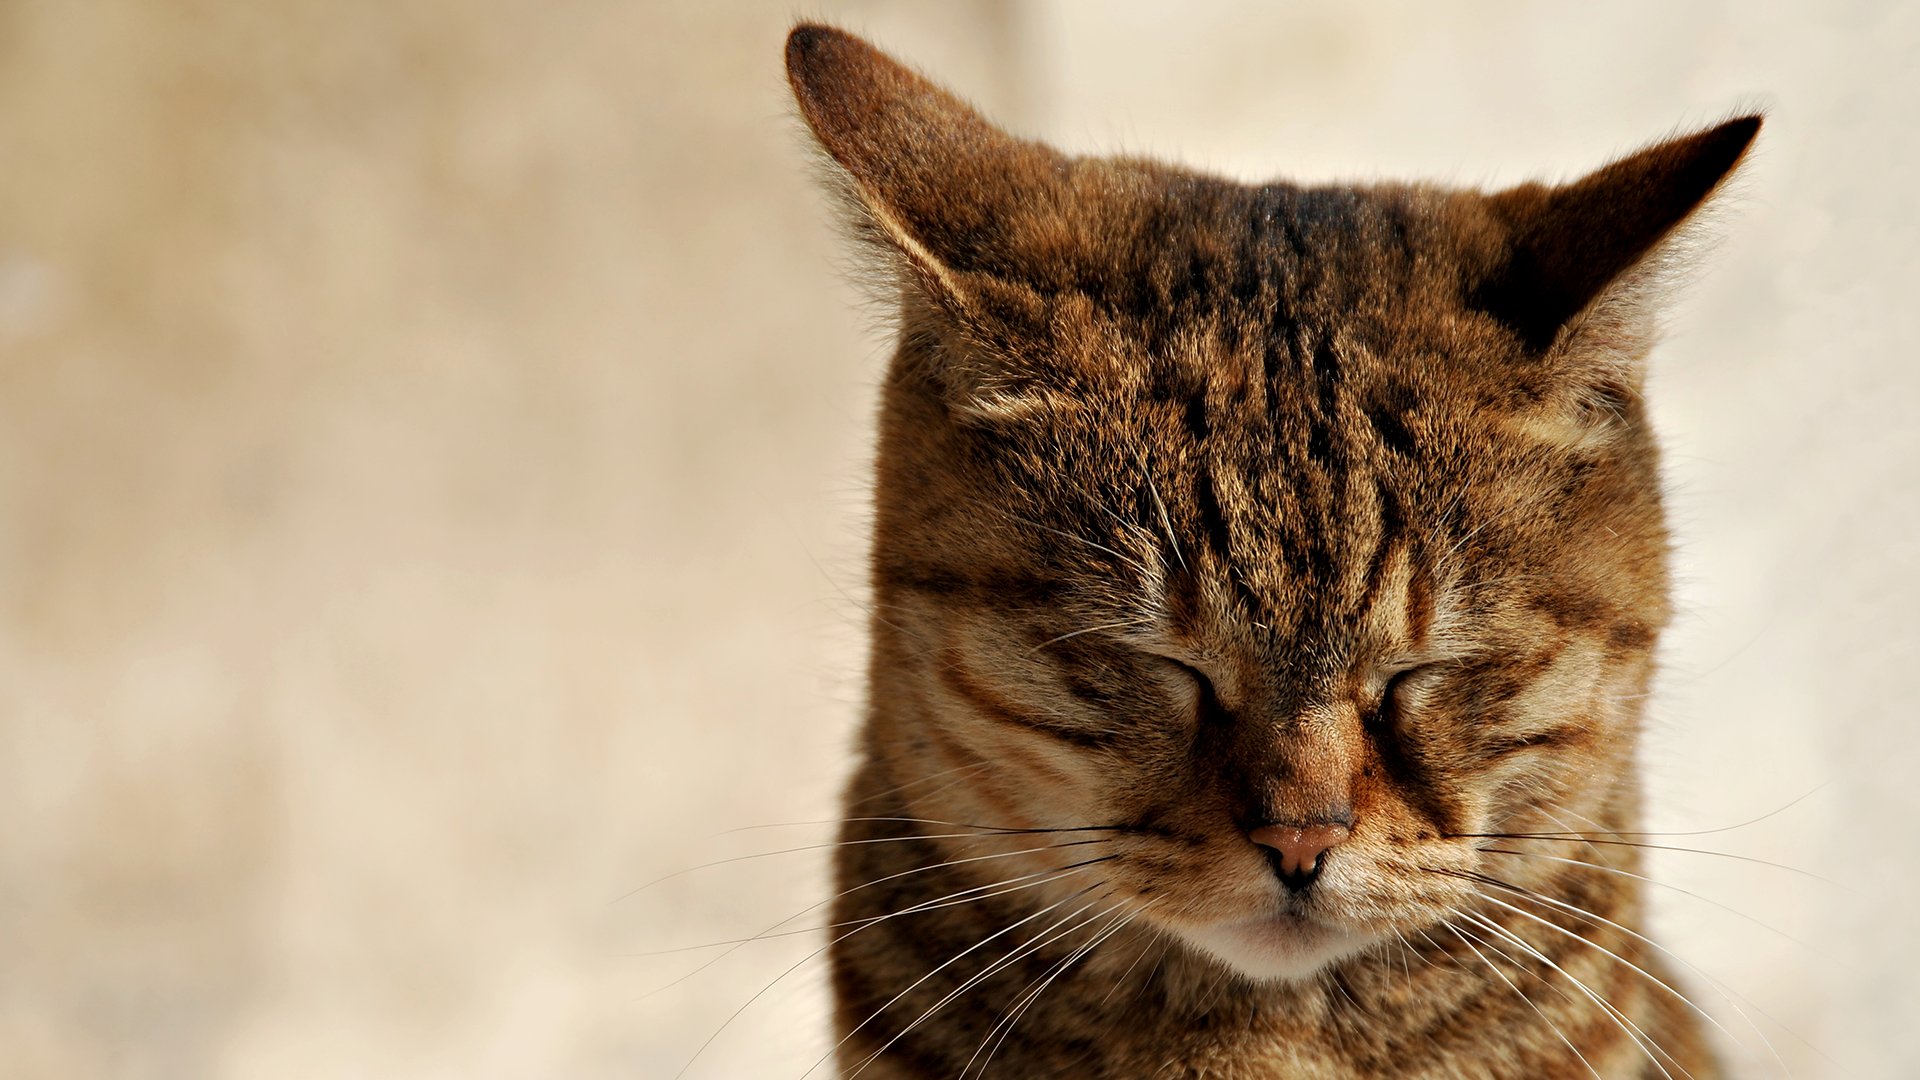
1279 949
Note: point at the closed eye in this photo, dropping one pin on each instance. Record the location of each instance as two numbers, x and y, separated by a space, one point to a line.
1199 677
1386 711
1197 681
1206 701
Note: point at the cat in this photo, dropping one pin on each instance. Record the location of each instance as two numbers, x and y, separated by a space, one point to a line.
1266 581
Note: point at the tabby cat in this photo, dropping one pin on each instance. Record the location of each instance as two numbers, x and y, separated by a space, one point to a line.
1266 582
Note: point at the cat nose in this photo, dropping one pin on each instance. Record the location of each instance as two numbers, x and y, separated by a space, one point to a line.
1295 849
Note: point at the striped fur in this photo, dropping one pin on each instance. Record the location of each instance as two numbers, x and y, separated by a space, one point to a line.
1202 505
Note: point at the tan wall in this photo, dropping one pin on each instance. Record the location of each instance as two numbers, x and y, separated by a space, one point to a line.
432 441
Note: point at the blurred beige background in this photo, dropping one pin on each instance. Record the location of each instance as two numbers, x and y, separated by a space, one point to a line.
432 454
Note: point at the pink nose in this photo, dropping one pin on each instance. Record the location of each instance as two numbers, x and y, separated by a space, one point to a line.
1299 847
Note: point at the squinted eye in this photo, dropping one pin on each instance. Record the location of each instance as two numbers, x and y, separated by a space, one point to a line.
1386 711
1203 696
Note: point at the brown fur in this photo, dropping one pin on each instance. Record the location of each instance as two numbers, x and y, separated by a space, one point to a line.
1202 506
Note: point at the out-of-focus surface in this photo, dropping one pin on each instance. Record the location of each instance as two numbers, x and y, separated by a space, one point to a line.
432 453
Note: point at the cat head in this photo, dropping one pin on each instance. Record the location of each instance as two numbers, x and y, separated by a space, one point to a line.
1296 535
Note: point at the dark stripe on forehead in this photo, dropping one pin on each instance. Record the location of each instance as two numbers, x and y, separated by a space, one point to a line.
1387 413
1213 521
1391 525
1320 569
1273 360
1278 350
1323 445
1199 428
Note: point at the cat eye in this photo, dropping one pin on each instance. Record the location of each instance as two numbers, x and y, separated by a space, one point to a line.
1387 710
1203 686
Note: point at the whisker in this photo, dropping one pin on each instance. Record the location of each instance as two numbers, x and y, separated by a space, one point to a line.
1161 507
964 771
1025 995
1445 521
1121 981
1215 987
1718 985
1132 562
1803 797
1406 969
1523 997
1089 630
1137 531
1113 926
1340 984
1616 957
1605 869
1166 946
949 900
891 1002
864 885
870 610
1019 952
1132 528
1620 1019
948 786
1557 820
1484 583
1583 839
849 843
1726 992
1477 530
985 830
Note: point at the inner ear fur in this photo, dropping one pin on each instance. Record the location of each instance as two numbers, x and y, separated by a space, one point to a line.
1586 263
938 187
1569 243
1568 247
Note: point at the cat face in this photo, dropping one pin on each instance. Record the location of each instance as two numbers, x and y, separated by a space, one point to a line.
1291 540
1329 569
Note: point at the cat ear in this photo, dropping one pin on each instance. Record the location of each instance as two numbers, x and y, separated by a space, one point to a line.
939 187
1581 255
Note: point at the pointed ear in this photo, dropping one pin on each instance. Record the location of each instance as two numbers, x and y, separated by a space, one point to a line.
1582 248
938 186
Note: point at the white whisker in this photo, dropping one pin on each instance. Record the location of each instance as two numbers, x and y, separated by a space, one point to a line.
857 888
1019 1007
1616 957
891 1002
1161 507
1620 1019
1019 952
1651 881
1523 997
1726 993
1089 630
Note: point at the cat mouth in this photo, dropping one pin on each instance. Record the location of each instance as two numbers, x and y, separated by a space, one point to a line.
1283 945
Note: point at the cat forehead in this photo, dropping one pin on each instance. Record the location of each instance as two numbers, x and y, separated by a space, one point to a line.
1163 283
1148 244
